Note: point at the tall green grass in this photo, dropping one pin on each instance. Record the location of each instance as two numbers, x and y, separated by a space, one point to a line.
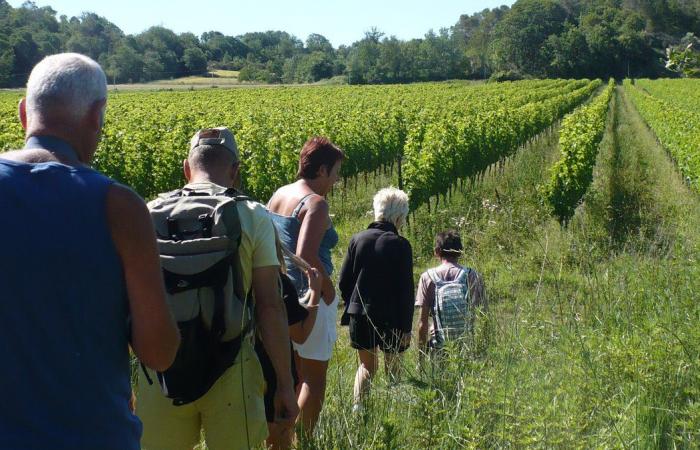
591 339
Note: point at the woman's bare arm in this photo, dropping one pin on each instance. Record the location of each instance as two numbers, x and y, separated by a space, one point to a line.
313 227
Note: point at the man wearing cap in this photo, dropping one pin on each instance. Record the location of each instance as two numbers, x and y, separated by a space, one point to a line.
232 413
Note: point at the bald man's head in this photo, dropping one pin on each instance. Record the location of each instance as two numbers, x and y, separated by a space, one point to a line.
213 163
211 158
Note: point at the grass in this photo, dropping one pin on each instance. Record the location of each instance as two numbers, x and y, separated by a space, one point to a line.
591 340
212 78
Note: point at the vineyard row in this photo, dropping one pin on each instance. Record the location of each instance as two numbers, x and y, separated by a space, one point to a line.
579 137
677 128
441 131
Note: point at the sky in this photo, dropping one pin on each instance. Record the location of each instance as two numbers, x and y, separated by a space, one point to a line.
342 22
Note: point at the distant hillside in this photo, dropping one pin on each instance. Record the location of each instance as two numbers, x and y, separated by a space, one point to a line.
533 38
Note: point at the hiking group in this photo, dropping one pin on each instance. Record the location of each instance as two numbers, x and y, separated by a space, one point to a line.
229 305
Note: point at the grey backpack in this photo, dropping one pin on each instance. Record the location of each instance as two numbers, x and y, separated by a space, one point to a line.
452 312
199 234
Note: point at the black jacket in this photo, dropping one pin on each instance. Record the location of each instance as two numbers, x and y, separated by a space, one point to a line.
377 277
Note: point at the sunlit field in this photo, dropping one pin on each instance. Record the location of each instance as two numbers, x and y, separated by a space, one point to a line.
591 339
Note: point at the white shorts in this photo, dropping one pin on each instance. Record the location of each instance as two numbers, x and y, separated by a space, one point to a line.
319 344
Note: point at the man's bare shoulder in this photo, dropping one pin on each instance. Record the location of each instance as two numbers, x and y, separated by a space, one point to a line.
121 192
122 202
128 218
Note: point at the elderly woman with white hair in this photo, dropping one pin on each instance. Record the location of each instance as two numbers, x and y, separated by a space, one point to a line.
376 283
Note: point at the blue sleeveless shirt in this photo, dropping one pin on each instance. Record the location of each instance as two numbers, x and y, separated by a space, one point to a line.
63 311
288 228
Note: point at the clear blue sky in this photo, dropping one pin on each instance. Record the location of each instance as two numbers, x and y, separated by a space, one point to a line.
342 22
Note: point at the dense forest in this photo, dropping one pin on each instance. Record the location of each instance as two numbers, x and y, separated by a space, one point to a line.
533 38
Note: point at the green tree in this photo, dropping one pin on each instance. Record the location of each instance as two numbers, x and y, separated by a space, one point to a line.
315 66
617 41
92 35
318 43
169 50
363 59
195 60
153 67
391 60
289 70
473 36
7 62
439 57
271 45
568 53
189 40
520 37
410 51
126 65
216 45
25 54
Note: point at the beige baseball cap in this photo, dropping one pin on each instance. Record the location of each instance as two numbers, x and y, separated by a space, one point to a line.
215 136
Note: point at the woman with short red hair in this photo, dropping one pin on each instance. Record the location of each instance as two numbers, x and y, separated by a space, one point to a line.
300 212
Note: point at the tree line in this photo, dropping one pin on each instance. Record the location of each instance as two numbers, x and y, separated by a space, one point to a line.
533 38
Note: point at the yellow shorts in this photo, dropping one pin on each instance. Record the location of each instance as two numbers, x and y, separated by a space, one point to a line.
220 412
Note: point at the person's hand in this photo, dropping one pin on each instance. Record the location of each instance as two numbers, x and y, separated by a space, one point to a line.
286 408
132 403
329 294
315 279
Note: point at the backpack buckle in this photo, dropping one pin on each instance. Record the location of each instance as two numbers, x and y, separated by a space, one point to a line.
173 231
207 223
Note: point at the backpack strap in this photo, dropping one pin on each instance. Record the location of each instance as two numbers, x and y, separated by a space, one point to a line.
236 194
233 229
435 310
432 273
205 190
462 276
175 193
232 221
301 204
145 372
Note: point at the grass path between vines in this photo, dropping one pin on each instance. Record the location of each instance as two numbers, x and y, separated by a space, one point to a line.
592 339
477 392
640 223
